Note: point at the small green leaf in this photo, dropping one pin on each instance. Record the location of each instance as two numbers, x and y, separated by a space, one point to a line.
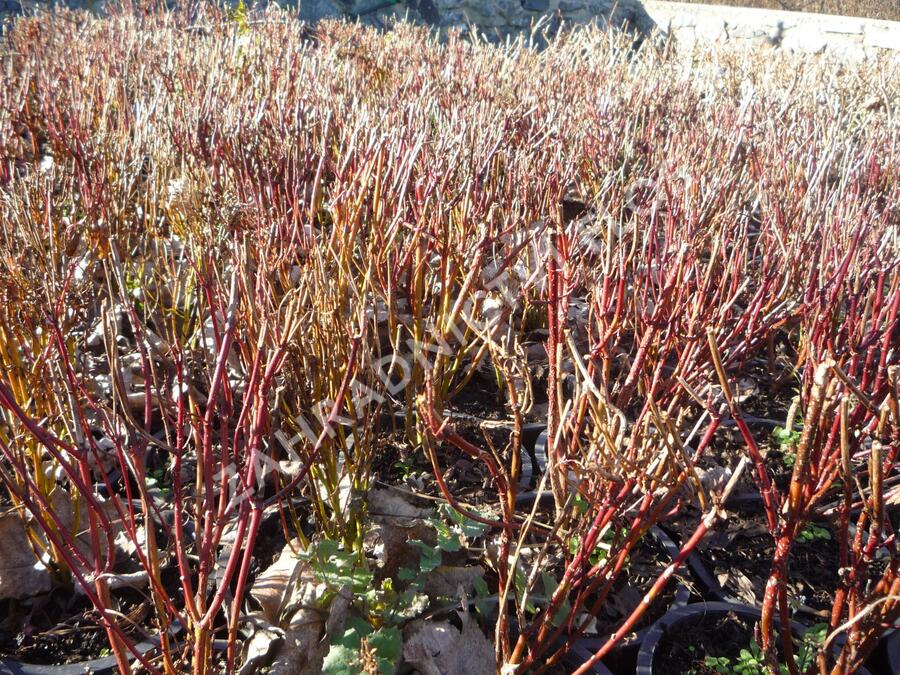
341 660
574 543
344 655
581 504
386 643
784 438
467 527
430 558
520 583
480 587
447 539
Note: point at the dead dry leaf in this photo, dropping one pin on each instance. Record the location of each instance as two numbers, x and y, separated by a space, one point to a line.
439 648
741 585
278 583
446 580
21 574
396 522
303 650
389 507
261 648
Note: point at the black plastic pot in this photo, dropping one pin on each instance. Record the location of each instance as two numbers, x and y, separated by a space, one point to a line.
534 442
530 434
539 450
575 657
102 666
681 620
891 646
390 420
571 660
584 648
708 584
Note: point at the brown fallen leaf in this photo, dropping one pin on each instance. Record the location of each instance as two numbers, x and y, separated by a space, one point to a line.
396 522
389 507
446 580
624 600
303 650
278 583
21 574
288 594
262 646
439 648
742 586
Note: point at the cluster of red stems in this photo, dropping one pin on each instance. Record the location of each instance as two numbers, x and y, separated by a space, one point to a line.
207 237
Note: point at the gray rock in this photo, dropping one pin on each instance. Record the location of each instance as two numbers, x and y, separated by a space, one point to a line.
805 39
10 7
883 35
427 10
630 13
316 10
536 5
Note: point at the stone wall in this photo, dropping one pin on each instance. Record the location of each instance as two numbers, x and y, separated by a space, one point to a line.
844 36
495 19
499 18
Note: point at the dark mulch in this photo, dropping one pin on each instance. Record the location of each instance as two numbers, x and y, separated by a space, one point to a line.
684 651
61 628
745 558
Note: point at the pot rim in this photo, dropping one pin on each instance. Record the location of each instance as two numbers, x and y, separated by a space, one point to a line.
660 628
